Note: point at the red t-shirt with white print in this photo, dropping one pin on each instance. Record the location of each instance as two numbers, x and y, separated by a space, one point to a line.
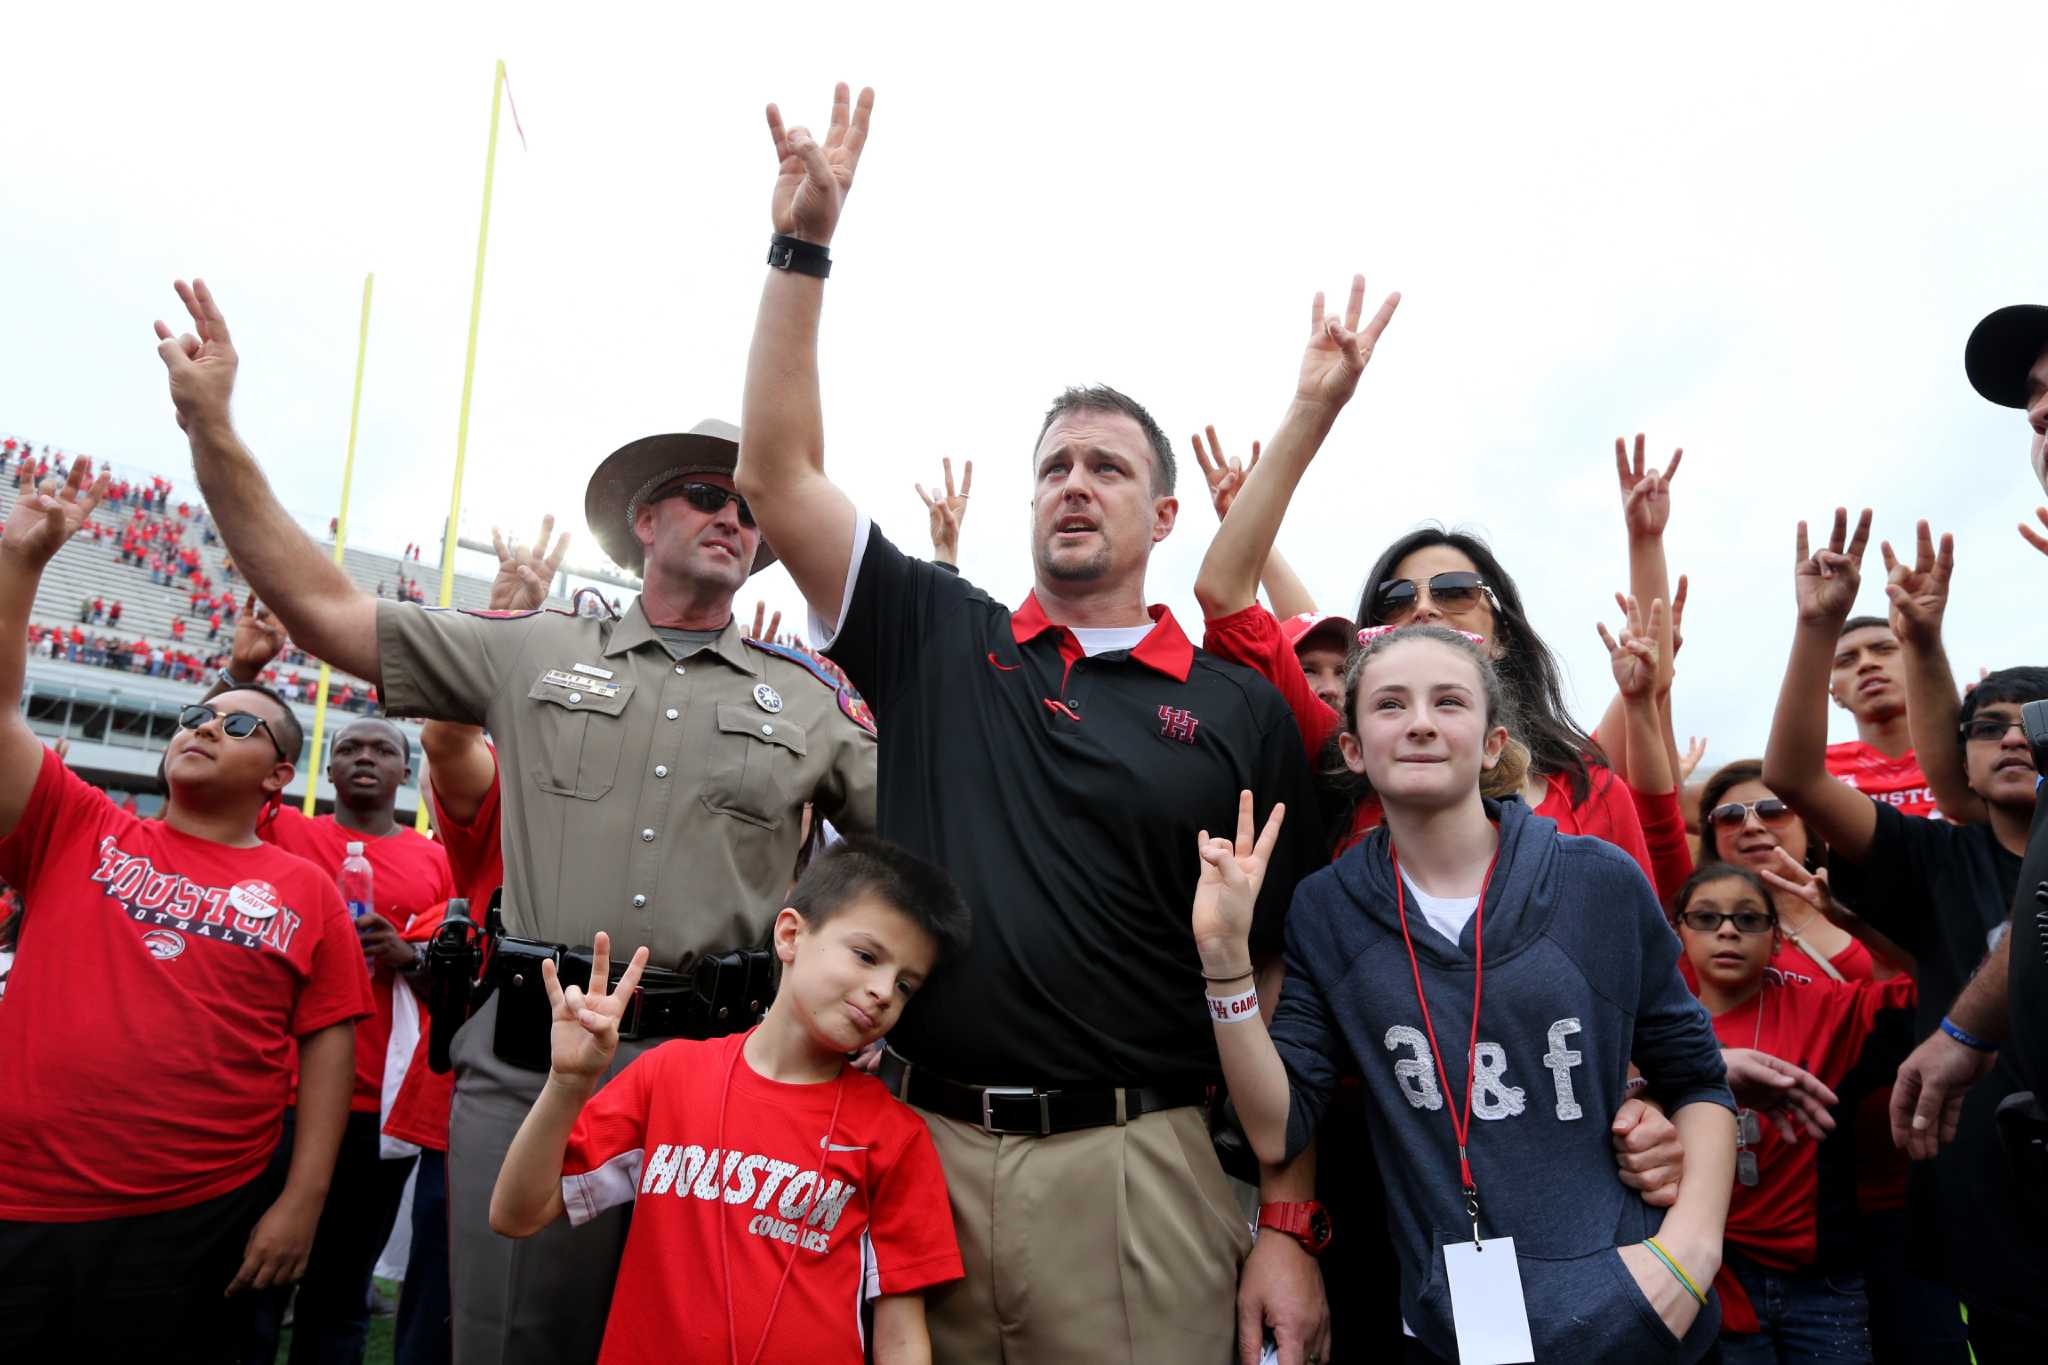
408 876
151 1015
1894 781
719 1161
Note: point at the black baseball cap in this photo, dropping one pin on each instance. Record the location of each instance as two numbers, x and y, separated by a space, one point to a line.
2002 352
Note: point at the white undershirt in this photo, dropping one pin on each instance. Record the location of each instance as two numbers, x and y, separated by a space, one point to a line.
1099 640
1447 916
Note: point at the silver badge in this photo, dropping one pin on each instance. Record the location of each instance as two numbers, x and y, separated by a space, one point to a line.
767 698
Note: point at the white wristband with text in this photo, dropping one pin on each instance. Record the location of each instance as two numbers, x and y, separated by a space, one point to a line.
1234 1009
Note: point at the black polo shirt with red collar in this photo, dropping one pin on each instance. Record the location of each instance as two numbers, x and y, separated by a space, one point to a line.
1064 793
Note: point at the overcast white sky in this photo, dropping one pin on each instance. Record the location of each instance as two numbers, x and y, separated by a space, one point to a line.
1761 233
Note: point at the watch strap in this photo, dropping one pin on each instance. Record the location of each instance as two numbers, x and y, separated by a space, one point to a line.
1307 1222
794 254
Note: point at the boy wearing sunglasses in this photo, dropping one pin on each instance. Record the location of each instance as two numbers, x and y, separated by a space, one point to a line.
165 970
1941 891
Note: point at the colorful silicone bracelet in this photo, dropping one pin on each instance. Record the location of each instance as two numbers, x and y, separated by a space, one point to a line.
1671 1264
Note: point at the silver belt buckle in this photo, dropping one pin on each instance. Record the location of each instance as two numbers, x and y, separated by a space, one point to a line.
988 1123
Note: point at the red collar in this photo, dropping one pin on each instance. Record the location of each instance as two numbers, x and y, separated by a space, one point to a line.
1165 649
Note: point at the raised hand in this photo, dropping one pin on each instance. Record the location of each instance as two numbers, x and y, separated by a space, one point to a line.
585 1032
1919 594
1634 656
524 571
1224 477
1825 583
948 512
812 183
1689 761
202 362
46 516
1229 889
765 627
1645 494
1338 351
2033 537
259 638
1678 621
1790 876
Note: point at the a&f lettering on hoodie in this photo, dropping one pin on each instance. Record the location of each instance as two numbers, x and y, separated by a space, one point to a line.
1581 977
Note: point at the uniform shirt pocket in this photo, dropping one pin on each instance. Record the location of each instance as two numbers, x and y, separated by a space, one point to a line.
577 737
756 759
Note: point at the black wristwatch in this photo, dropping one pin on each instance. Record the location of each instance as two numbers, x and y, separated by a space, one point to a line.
793 253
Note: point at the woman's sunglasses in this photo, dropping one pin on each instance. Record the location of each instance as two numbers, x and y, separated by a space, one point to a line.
1770 810
1456 592
1745 921
233 724
708 498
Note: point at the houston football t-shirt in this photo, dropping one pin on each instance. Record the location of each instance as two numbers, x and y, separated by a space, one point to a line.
150 1019
1894 781
853 1214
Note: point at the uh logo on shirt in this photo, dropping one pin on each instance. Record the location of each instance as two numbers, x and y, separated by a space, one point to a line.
804 1214
247 914
1492 1096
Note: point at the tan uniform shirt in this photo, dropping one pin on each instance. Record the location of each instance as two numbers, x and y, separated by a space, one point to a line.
660 801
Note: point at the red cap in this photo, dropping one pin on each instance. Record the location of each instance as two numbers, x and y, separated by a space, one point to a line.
1296 629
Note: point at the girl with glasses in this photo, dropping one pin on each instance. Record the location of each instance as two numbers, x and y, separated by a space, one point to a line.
1792 1276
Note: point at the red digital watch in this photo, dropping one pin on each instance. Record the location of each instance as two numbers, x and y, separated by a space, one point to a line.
1307 1222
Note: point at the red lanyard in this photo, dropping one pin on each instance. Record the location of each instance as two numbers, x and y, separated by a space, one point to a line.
1461 1128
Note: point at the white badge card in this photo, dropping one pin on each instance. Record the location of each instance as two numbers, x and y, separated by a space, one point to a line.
1486 1302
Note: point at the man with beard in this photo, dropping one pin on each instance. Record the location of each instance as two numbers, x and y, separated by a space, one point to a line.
658 766
1056 758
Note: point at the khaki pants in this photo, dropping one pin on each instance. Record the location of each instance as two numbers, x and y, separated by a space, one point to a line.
539 1300
1118 1245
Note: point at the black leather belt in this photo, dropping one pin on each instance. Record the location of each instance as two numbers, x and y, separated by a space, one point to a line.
1029 1111
725 993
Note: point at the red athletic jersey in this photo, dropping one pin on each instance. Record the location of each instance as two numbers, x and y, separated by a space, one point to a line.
1820 1025
708 1152
1894 781
1252 637
476 860
149 1023
409 876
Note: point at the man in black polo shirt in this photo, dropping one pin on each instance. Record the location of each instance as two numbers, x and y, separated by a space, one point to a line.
1059 759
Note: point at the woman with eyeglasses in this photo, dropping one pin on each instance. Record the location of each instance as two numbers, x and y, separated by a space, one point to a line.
1791 1279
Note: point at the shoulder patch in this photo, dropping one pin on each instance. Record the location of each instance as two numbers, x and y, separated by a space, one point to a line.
851 703
856 708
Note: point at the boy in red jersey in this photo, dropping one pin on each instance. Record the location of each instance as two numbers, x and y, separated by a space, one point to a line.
162 977
1866 681
794 1187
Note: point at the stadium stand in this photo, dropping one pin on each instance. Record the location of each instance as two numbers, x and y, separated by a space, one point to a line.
118 712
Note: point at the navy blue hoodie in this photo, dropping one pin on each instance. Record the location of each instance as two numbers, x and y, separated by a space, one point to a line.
1581 977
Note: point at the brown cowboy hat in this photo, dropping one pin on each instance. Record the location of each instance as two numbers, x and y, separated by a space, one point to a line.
639 469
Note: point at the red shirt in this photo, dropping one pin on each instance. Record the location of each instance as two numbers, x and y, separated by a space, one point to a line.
1821 1026
476 860
1894 781
1252 637
688 1122
149 1024
409 877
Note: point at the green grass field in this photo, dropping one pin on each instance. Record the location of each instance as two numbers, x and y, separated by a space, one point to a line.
378 1352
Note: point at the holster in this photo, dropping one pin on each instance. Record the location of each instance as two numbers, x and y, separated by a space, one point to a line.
725 993
455 959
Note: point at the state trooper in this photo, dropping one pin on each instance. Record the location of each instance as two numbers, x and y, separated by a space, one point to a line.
656 768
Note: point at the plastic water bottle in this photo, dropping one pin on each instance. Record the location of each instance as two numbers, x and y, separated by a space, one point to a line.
356 883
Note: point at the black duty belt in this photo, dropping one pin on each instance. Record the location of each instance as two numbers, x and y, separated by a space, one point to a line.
1030 1111
725 993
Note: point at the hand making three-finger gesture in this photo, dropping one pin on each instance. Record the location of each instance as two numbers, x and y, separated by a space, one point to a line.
811 185
948 512
1825 582
1224 476
1919 591
585 1032
1228 890
202 361
46 516
1338 351
1645 493
524 571
1634 655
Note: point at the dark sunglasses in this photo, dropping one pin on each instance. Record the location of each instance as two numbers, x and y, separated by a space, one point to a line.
233 724
708 498
1770 810
1745 921
1991 728
1457 592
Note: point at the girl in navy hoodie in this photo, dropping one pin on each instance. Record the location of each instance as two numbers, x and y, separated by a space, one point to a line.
1542 964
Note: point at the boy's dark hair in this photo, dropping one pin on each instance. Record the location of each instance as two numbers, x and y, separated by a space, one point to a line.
922 892
1863 623
1102 398
2007 684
